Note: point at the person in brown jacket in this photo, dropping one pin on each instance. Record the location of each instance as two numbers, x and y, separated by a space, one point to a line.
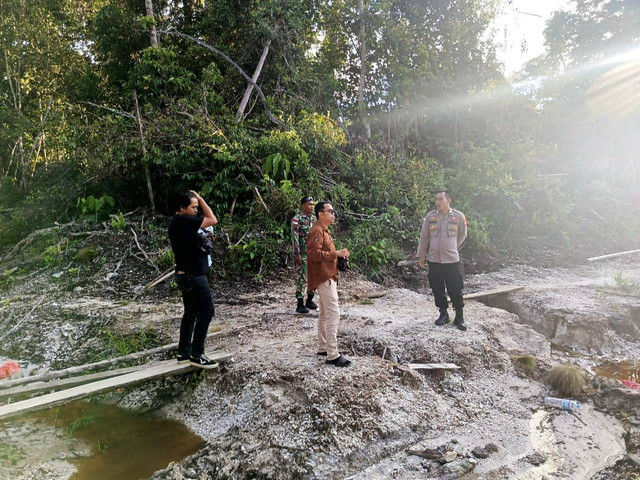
322 274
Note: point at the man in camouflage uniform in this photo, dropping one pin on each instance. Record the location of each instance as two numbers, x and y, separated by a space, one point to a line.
300 226
444 230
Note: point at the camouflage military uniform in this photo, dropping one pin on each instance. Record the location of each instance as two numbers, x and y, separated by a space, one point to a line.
300 226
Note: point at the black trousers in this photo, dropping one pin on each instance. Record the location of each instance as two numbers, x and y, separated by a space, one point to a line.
449 275
198 311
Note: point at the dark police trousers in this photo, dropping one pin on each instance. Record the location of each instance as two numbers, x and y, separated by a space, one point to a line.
449 274
198 310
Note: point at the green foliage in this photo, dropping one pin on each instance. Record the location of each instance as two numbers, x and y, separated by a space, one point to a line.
118 222
51 254
86 255
121 345
7 277
80 423
166 258
10 453
374 244
624 282
441 114
96 208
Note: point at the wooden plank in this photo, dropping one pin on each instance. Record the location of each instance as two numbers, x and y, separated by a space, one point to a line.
612 255
433 366
39 387
68 372
102 386
488 293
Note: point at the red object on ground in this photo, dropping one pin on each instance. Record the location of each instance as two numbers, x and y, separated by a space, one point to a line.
8 368
631 384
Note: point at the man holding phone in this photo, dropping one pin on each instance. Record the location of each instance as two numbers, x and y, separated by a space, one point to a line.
191 276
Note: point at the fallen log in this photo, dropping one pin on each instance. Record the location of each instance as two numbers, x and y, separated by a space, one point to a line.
29 238
165 369
378 294
407 263
68 372
612 255
433 366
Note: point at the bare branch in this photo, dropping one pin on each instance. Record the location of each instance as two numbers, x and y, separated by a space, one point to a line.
113 110
235 65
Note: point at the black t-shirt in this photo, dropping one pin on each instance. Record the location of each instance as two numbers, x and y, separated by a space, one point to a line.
183 230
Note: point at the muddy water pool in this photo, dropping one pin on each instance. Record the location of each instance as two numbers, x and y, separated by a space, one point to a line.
102 442
626 370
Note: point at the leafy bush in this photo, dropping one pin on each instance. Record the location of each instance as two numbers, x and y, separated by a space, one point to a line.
51 254
118 222
86 255
123 345
96 208
166 259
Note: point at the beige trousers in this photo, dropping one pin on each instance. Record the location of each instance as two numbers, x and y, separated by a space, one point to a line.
328 317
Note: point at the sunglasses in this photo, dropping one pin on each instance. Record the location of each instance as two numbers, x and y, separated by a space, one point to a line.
331 211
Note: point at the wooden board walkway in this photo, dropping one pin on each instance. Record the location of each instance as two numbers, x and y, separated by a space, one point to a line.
68 372
488 293
39 387
144 373
433 366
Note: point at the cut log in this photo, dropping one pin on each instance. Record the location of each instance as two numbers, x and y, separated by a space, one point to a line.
433 366
378 294
488 293
68 372
612 255
407 263
144 374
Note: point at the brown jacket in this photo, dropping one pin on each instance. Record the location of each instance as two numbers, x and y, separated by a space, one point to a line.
322 260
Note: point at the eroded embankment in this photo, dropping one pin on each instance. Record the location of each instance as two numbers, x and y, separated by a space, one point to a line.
279 412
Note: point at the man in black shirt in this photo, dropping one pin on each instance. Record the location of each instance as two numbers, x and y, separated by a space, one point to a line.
191 277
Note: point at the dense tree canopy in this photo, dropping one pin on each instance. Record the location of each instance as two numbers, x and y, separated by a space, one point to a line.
375 105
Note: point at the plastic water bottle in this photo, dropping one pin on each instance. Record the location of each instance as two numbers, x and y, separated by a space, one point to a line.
561 403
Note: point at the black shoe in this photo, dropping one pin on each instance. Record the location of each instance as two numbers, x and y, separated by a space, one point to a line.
339 362
322 354
182 358
301 308
202 362
310 304
443 319
458 321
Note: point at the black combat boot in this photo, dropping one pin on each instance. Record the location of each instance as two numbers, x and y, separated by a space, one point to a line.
458 321
443 319
301 308
310 304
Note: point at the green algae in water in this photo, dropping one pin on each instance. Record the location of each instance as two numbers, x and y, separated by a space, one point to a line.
124 445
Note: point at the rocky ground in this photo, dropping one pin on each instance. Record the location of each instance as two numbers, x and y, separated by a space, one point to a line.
277 411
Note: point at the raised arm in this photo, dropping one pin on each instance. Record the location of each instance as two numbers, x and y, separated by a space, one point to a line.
209 217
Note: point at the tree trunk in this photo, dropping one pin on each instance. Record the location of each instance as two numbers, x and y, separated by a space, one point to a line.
144 155
249 90
362 108
152 33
